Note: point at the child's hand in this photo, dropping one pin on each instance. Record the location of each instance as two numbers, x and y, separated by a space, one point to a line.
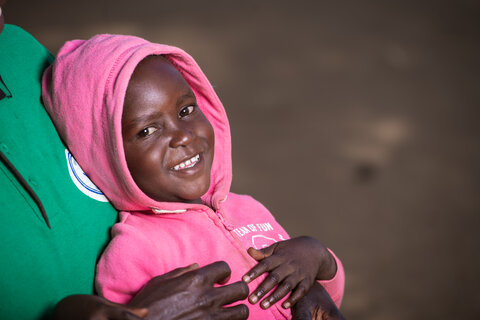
293 265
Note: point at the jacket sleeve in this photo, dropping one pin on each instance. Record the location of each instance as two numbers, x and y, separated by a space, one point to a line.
252 210
336 285
127 264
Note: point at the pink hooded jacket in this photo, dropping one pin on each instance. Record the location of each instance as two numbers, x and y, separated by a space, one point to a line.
84 92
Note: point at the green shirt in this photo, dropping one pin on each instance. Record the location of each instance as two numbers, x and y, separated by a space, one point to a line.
40 266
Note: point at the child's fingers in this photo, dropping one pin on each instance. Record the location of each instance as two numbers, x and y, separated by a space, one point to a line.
274 278
256 254
260 254
263 266
281 291
255 272
298 293
264 256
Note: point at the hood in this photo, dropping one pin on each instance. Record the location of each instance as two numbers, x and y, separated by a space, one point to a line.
84 92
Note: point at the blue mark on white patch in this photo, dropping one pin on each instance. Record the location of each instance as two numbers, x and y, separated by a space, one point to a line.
81 180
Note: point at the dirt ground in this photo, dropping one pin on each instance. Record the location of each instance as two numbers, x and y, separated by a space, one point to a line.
353 121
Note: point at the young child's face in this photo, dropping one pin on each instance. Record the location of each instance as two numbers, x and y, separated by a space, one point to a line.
168 142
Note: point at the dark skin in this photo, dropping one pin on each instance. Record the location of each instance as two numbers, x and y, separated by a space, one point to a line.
185 293
194 295
163 129
316 305
162 126
294 266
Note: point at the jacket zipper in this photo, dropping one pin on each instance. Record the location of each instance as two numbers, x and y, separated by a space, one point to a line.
239 245
225 223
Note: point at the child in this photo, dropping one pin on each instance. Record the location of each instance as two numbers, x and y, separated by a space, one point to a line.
148 129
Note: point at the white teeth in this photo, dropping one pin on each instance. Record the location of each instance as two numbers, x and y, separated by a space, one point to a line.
188 163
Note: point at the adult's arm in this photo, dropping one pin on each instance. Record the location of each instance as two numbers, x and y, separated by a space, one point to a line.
184 293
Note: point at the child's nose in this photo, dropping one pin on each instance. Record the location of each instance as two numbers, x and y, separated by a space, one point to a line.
181 137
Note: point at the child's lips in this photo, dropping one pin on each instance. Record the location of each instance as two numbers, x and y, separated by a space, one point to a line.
189 163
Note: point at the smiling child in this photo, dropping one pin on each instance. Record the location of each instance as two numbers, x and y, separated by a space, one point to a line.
168 142
146 126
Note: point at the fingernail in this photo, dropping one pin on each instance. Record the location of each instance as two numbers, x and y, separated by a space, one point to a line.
286 305
246 278
265 304
253 298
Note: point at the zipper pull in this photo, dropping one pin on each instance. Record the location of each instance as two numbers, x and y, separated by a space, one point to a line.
227 225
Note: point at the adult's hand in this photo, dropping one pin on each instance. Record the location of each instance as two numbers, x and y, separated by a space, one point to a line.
184 293
90 307
316 305
191 295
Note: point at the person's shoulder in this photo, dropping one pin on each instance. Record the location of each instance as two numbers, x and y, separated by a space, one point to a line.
13 28
13 31
22 39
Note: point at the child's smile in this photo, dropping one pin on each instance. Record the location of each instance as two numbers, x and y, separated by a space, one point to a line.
187 164
168 142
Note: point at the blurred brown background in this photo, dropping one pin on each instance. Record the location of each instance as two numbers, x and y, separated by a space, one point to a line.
353 121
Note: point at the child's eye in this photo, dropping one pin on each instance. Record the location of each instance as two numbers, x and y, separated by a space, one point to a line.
186 111
146 132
